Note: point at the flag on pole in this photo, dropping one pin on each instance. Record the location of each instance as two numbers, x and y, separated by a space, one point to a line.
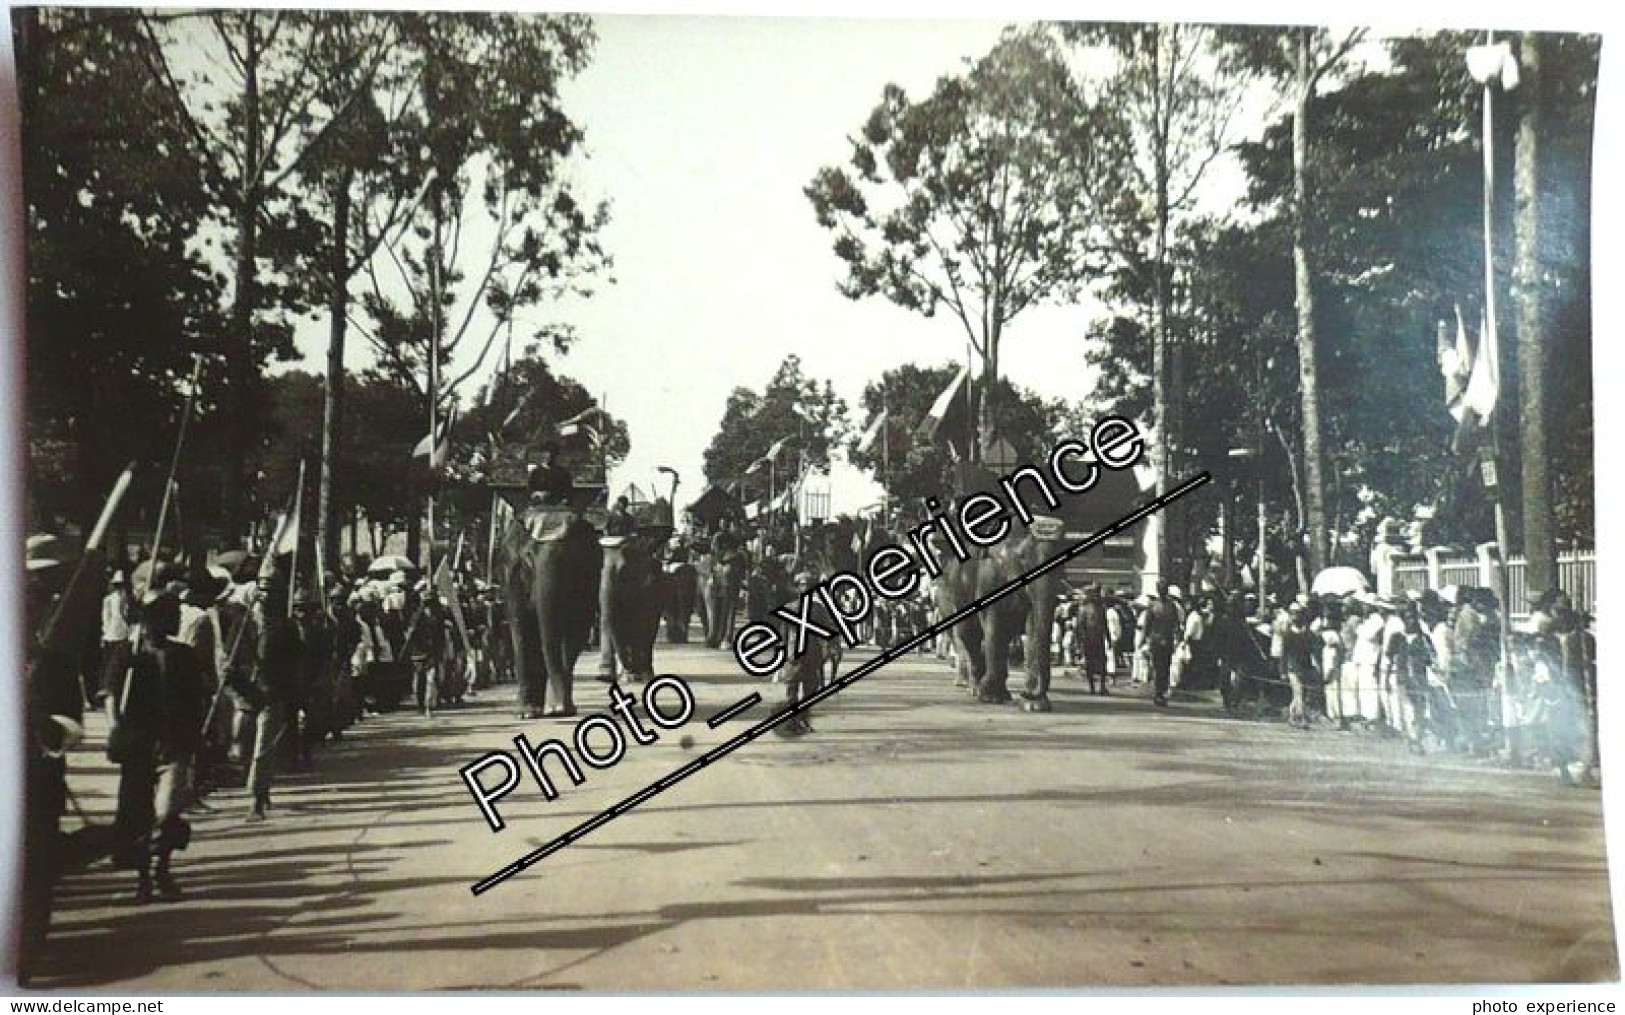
944 402
448 594
439 445
1455 363
513 413
870 434
1483 388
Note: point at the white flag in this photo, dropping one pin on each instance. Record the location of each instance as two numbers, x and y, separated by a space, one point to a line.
939 408
870 434
1483 388
1455 363
1484 385
440 446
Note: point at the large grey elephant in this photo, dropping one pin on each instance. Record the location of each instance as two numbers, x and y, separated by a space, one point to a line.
551 568
633 588
985 638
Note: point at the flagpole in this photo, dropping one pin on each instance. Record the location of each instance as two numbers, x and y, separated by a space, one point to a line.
1503 579
971 451
885 457
321 576
298 512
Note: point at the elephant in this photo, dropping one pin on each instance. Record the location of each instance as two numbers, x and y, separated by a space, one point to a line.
985 639
633 591
683 589
551 564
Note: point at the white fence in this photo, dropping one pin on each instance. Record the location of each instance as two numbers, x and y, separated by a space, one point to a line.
1435 569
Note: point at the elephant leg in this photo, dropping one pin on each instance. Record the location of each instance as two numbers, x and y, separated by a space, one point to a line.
556 663
728 611
670 618
1040 619
651 631
713 615
530 671
997 631
608 646
967 635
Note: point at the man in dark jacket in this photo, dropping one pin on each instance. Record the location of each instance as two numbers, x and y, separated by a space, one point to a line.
1162 632
1091 639
276 675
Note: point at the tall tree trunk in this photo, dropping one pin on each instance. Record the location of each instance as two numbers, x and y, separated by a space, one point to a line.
1162 449
986 419
1162 399
1308 371
242 366
327 527
1528 293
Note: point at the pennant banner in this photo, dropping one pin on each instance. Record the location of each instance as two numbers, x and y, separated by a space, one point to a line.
945 401
870 434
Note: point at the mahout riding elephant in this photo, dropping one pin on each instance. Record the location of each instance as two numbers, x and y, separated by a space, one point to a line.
551 568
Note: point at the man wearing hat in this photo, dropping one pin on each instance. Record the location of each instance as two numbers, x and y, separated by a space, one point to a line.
1090 634
161 702
550 483
804 674
1162 629
116 633
276 671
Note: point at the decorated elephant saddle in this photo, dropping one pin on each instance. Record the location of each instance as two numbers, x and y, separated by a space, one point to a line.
548 524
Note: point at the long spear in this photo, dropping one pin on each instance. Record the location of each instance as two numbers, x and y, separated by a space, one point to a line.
97 534
298 506
174 465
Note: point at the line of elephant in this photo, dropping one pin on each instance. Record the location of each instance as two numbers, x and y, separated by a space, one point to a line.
558 589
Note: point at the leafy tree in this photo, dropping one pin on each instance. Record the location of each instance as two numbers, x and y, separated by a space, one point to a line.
117 299
364 176
801 411
1301 59
979 198
253 101
519 412
1177 98
1400 198
486 110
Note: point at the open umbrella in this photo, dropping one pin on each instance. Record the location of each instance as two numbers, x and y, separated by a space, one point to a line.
1339 581
390 563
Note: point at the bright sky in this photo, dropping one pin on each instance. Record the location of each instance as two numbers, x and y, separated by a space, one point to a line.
702 133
